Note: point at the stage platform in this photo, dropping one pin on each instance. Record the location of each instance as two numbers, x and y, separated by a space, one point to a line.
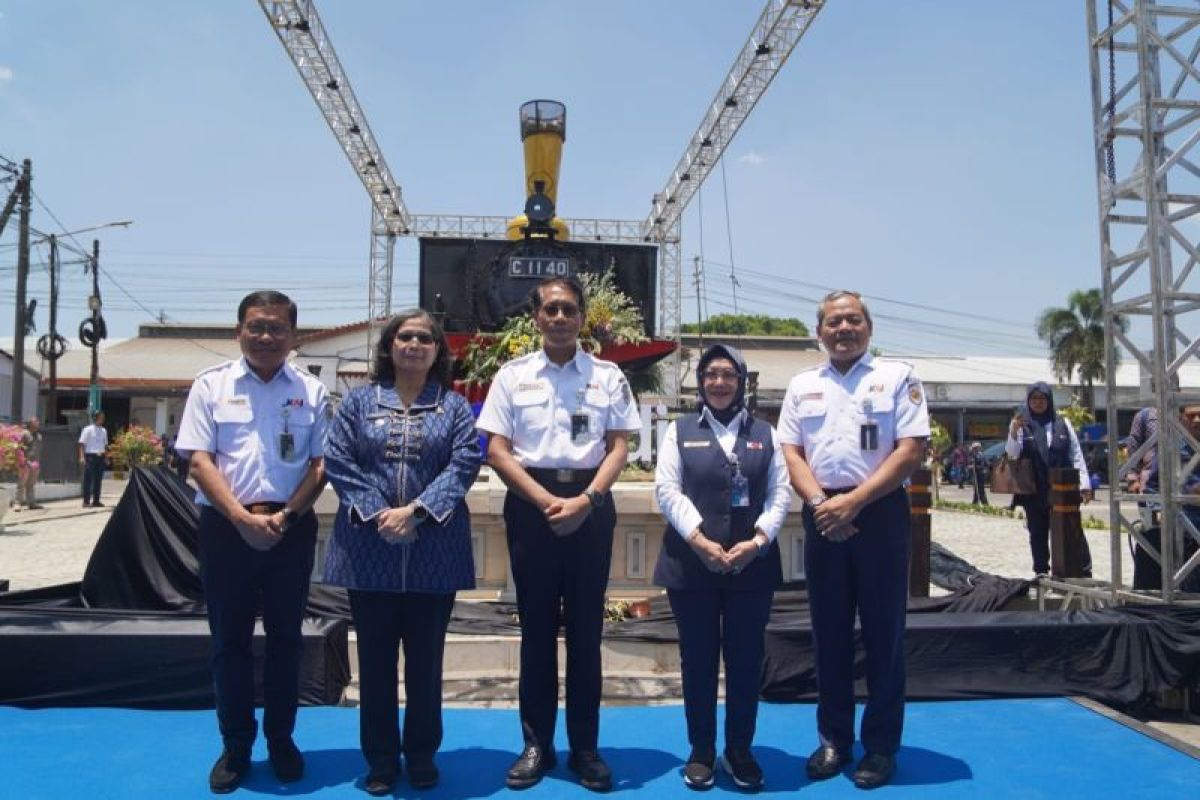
1038 748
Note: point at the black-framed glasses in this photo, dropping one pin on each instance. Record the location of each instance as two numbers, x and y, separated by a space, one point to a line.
405 337
714 375
276 330
568 310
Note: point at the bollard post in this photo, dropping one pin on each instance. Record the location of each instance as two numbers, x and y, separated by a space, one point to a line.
920 501
1067 545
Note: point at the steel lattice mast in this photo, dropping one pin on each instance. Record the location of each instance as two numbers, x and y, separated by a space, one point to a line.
774 36
299 29
1146 109
779 28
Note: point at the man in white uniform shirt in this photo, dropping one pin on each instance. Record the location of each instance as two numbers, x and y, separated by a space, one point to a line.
253 431
559 421
852 431
93 442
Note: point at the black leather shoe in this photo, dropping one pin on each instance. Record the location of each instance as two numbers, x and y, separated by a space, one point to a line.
874 771
825 762
422 772
228 772
741 766
593 773
529 767
699 771
286 760
379 785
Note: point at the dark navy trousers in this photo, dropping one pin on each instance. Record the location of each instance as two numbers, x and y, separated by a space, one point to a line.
713 623
552 572
867 576
238 582
382 621
93 476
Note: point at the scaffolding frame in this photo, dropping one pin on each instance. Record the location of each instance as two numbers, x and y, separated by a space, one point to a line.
1146 120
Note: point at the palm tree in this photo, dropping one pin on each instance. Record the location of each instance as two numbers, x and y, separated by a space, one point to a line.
1075 338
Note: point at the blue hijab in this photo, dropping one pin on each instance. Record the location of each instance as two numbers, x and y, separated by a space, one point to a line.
1046 417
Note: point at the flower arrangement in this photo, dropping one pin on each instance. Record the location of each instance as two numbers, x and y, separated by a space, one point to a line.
12 450
136 446
612 318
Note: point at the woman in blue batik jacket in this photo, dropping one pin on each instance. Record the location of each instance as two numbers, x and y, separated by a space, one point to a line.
402 453
722 484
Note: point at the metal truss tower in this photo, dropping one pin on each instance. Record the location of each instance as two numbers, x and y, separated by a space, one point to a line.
299 29
779 27
775 34
1146 109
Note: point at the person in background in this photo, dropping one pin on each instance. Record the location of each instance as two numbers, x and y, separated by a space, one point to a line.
1048 440
978 468
402 453
93 443
722 484
27 475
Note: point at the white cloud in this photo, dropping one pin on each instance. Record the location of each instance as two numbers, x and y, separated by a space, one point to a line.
752 158
6 73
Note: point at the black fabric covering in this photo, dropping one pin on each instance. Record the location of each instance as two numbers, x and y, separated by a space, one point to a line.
133 632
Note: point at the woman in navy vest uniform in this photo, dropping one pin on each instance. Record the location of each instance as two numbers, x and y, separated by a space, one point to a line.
722 485
1048 441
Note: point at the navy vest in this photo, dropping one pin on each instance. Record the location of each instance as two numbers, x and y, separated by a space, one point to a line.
706 478
1045 457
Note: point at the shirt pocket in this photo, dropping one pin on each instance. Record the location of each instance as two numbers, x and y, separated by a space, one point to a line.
299 424
235 427
532 410
811 414
596 405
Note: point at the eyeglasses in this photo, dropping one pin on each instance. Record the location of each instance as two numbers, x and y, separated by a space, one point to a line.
566 309
276 330
405 337
714 375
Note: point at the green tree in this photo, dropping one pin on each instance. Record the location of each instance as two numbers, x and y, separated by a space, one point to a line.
750 325
1075 337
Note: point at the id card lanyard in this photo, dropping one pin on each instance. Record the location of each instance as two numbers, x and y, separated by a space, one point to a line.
868 432
739 496
287 441
581 421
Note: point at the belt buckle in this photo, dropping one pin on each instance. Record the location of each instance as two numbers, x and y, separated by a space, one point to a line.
564 475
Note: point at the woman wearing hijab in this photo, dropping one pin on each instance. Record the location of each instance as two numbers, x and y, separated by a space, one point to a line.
1049 442
402 453
722 485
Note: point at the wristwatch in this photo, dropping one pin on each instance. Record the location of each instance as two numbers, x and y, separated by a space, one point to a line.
595 497
289 516
420 512
816 500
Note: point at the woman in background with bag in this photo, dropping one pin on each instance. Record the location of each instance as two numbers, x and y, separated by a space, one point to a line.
1047 441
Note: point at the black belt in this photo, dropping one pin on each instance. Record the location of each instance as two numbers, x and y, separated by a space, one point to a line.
264 508
844 490
561 475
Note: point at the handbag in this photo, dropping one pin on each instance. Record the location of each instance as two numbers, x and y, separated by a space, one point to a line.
1013 476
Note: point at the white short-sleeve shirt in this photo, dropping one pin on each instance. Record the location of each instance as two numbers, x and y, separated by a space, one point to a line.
532 399
241 420
94 439
824 411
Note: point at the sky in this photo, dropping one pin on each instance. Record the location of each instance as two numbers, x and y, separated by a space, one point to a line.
934 155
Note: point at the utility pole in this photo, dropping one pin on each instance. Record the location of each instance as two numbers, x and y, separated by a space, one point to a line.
96 330
17 408
48 350
699 309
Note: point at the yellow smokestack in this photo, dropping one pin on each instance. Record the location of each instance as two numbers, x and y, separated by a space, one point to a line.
543 131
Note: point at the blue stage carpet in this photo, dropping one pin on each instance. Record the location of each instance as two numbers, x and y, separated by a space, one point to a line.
1049 748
